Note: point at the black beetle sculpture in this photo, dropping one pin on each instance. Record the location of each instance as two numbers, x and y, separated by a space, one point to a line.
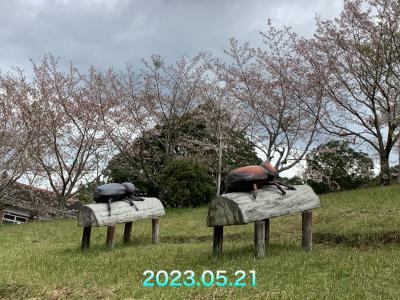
249 178
111 192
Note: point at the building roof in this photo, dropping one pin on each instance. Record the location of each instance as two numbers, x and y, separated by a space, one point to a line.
40 202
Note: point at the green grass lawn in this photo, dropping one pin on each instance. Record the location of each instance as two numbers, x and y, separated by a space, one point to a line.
356 255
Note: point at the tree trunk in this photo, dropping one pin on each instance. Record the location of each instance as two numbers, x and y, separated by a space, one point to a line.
219 167
61 206
385 174
398 164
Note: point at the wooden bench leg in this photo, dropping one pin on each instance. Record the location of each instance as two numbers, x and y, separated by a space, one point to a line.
259 239
127 232
86 238
266 233
110 237
218 240
155 230
306 241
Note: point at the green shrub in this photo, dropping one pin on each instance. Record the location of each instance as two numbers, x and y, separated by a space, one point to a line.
336 166
185 183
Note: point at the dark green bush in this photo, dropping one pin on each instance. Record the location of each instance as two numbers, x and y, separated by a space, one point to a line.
336 166
295 180
192 137
186 183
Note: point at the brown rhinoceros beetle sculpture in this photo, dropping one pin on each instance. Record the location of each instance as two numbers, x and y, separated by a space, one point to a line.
250 178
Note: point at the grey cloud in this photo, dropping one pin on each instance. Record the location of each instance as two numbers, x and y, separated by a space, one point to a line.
111 32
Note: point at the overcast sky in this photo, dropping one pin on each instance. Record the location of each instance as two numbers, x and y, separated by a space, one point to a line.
111 32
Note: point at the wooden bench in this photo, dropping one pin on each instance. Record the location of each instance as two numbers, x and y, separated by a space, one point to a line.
240 208
96 215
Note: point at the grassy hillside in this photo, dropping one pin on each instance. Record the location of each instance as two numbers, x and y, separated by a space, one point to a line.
356 255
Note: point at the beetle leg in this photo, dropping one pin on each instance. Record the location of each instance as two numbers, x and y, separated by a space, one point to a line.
138 199
129 200
289 187
133 204
278 186
109 206
254 191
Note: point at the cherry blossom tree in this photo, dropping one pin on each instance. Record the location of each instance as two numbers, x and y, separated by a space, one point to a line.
60 114
274 87
14 138
357 59
151 101
226 120
171 91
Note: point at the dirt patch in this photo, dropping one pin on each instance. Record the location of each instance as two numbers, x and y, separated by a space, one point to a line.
59 293
13 291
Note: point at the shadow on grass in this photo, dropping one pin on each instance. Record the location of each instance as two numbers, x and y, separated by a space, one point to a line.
247 251
97 245
358 240
181 239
